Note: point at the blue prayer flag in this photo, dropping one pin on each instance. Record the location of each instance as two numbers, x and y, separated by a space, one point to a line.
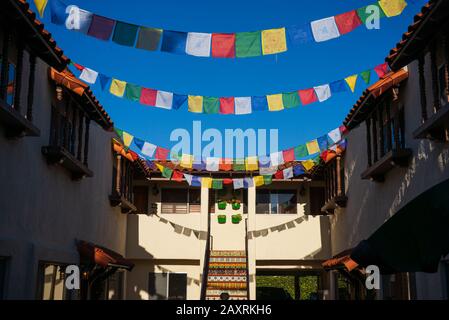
174 42
178 100
338 86
259 103
300 34
58 14
104 80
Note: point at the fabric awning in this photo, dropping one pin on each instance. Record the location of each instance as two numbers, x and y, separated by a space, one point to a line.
414 239
341 261
102 256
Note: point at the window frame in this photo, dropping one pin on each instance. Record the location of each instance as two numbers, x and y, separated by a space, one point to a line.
188 202
270 204
167 285
66 294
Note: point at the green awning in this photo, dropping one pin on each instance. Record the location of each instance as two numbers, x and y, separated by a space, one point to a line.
414 239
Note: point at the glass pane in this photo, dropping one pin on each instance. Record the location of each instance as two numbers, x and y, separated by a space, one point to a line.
262 201
157 286
177 289
287 201
195 196
274 201
174 195
48 281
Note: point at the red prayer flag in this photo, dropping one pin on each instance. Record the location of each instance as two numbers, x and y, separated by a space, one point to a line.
381 69
177 176
227 105
279 175
225 164
134 155
307 96
227 181
343 130
223 45
348 21
148 96
289 155
161 153
78 66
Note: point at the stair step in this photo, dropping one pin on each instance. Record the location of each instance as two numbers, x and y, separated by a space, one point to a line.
226 278
228 253
227 285
227 272
233 265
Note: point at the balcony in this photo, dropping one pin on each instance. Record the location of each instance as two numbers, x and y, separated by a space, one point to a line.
59 155
117 199
334 177
15 124
393 158
435 127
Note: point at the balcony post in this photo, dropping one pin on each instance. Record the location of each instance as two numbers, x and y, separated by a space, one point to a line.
118 175
18 76
31 79
368 141
434 70
86 141
337 172
422 88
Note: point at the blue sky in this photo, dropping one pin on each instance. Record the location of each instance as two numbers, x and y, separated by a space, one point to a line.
300 67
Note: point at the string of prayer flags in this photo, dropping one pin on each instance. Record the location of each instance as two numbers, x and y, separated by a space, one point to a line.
225 105
214 45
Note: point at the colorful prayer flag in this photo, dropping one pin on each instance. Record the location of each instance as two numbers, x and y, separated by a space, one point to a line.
307 96
117 87
212 164
242 105
237 183
58 12
238 165
89 75
258 181
133 92
298 170
101 27
198 44
225 164
288 173
178 100
161 153
248 44
288 155
217 184
164 99
174 42
300 34
206 182
189 178
351 81
40 6
364 14
322 92
125 33
251 163
275 102
279 175
290 99
227 105
167 173
248 182
381 69
274 41
308 164
148 96
195 104
223 45
177 176
338 86
366 76
149 38
267 179
259 103
277 158
334 135
348 21
322 142
187 161
324 29
301 152
127 138
104 80
312 147
211 105
392 8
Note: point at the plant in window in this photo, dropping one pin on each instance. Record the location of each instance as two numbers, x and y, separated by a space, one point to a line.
221 204
236 218
221 218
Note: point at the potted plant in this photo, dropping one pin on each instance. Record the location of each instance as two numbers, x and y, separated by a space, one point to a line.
236 218
236 204
221 218
221 204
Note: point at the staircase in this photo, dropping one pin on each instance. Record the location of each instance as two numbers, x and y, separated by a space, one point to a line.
227 272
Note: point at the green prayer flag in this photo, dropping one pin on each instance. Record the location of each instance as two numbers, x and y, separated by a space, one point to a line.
217 184
211 105
125 33
248 44
133 92
301 152
363 15
290 99
316 159
167 172
267 179
119 133
238 165
366 76
149 38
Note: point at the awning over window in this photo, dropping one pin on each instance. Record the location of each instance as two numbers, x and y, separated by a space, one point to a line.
341 261
414 239
101 256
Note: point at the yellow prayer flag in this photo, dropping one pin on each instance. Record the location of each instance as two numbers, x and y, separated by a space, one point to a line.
308 164
127 139
117 87
351 81
206 182
273 41
40 6
313 147
195 104
160 167
275 102
251 163
258 181
392 8
187 161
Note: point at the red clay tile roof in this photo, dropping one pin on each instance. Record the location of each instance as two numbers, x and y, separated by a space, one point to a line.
41 39
426 23
371 94
68 80
131 156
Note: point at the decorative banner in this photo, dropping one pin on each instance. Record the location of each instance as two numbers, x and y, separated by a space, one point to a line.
214 45
225 105
284 226
265 164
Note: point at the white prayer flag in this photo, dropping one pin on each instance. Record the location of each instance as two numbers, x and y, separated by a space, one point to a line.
188 178
325 29
164 99
212 164
237 183
198 44
148 149
78 19
277 158
335 135
323 92
89 75
288 173
242 105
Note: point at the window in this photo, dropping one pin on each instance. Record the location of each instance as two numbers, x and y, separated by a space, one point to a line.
177 200
114 286
167 286
276 201
3 269
317 198
10 80
122 183
51 282
141 199
334 180
442 85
